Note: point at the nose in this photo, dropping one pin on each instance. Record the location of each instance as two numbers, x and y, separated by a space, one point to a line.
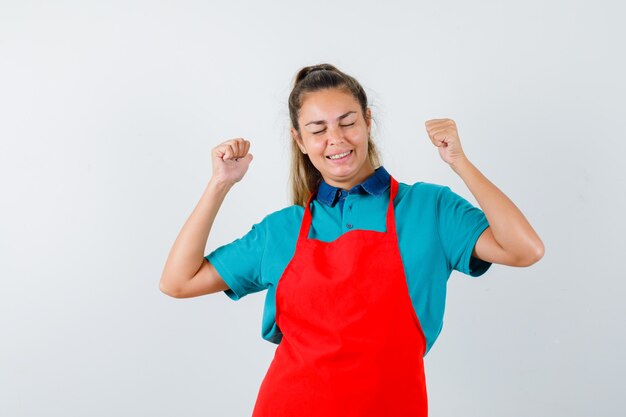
335 135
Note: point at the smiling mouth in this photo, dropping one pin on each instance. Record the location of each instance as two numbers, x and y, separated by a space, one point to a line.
339 155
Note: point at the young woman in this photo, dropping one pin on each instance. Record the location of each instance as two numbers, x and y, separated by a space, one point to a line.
356 269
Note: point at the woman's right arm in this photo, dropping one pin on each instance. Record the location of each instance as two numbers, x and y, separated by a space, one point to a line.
187 273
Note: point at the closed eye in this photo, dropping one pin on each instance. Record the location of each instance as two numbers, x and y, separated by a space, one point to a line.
324 130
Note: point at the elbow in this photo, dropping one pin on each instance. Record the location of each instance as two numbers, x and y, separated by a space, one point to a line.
169 290
533 255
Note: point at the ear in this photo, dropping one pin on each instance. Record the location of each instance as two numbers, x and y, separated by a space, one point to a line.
368 119
298 139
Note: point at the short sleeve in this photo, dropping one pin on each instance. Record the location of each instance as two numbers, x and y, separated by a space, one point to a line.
460 225
239 262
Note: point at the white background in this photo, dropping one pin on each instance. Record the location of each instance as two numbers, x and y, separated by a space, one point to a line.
108 112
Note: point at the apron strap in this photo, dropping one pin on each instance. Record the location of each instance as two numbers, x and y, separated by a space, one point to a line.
391 218
306 221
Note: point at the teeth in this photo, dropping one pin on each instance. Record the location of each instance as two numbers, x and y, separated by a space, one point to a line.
341 155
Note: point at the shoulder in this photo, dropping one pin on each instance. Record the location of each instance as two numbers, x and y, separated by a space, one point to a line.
419 193
285 218
289 212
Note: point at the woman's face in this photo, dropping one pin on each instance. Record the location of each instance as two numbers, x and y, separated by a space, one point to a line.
334 134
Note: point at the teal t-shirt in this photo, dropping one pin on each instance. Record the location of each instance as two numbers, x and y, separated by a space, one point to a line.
437 230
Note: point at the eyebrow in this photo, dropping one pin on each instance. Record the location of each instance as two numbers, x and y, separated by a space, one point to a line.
321 122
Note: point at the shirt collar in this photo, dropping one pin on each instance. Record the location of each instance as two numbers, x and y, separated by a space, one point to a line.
375 185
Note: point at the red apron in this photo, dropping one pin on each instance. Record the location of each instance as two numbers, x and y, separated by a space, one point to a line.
352 344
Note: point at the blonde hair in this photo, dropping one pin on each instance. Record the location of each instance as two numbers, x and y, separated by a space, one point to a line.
304 177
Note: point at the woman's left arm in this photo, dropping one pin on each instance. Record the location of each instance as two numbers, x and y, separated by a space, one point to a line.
509 239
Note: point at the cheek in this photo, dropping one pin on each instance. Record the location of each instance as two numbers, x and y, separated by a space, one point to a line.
316 146
359 138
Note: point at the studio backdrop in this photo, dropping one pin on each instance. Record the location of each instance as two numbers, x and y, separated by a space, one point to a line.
108 114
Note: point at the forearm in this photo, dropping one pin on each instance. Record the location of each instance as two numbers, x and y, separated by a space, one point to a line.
187 253
509 226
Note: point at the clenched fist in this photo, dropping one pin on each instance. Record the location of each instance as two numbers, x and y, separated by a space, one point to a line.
231 160
444 135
